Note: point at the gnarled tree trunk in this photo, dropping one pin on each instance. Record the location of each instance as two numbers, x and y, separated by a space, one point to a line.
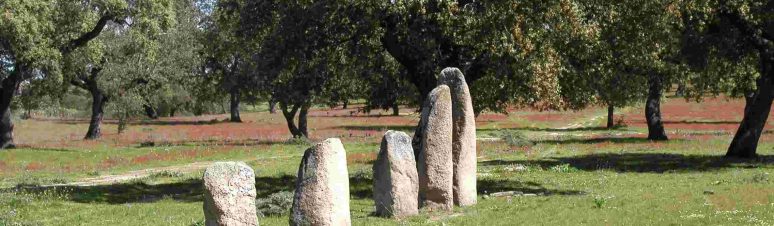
289 112
290 115
756 113
98 100
9 86
395 109
653 108
302 121
235 98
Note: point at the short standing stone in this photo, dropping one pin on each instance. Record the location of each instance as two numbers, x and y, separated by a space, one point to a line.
229 194
434 155
463 136
395 177
322 187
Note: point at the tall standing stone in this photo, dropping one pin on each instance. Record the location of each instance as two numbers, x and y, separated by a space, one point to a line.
395 177
229 194
434 151
463 136
322 187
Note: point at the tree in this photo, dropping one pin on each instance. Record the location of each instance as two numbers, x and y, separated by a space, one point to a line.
627 56
738 32
34 35
509 51
118 54
225 56
298 48
385 87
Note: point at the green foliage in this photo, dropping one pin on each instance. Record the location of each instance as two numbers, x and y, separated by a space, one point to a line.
722 45
599 202
27 30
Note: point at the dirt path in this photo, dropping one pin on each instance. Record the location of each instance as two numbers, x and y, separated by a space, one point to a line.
137 174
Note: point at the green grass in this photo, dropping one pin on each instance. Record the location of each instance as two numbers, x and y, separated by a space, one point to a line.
626 181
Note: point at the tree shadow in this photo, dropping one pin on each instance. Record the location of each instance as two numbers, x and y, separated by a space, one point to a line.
702 122
489 186
376 128
536 129
140 122
615 140
213 142
642 162
190 190
33 148
356 116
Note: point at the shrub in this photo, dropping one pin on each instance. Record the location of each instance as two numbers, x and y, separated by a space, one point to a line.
275 205
599 202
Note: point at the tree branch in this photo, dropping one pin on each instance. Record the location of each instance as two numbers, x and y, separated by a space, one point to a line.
758 38
88 36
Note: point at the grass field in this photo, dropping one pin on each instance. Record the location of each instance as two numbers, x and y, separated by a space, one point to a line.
573 171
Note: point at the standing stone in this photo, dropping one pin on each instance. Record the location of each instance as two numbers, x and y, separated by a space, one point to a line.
395 177
229 194
322 187
434 152
463 136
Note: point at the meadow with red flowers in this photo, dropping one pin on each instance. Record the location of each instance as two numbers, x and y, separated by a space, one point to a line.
573 169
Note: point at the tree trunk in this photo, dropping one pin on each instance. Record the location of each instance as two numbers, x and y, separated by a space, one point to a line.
272 106
395 109
98 100
610 116
756 113
345 103
235 105
748 100
122 122
150 111
9 86
680 89
302 122
653 108
290 115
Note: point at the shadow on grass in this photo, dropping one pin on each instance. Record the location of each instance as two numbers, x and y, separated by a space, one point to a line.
357 116
140 122
642 162
614 140
488 186
361 187
214 142
33 148
536 129
376 128
140 192
701 122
